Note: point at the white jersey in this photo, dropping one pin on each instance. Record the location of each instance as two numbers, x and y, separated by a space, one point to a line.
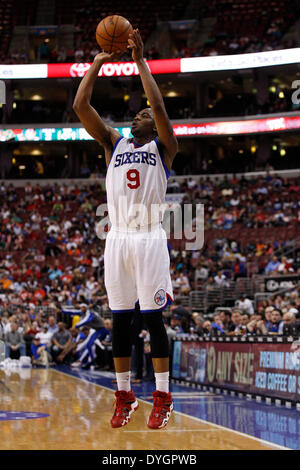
136 184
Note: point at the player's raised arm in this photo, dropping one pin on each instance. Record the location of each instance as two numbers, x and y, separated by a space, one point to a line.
162 122
95 126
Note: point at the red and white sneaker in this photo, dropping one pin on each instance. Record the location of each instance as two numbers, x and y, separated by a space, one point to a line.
126 404
161 411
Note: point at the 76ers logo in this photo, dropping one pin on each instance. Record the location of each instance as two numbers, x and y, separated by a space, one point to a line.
160 297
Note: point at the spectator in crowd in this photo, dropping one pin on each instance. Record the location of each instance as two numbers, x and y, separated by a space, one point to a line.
33 329
14 345
225 317
290 324
175 324
245 305
201 273
198 321
245 319
255 324
149 375
2 329
52 326
220 279
105 352
45 336
236 327
171 333
272 266
178 309
183 283
207 328
39 354
275 326
217 325
61 341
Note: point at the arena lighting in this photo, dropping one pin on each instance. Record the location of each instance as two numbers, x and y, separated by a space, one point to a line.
36 98
185 65
171 94
196 129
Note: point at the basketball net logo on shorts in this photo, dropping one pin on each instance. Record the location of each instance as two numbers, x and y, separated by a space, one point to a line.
160 297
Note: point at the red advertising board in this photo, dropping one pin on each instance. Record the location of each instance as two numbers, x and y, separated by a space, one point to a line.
113 69
257 368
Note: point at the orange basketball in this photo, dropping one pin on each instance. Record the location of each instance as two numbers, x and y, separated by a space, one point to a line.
112 33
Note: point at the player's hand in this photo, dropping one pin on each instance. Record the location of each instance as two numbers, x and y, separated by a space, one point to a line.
135 43
103 57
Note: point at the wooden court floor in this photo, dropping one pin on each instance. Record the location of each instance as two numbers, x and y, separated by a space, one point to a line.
79 419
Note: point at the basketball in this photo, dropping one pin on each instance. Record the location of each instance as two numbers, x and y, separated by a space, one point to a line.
112 33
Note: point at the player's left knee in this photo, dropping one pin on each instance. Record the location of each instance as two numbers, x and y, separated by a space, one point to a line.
158 335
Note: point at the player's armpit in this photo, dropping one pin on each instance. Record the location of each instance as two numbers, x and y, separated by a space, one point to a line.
165 133
95 126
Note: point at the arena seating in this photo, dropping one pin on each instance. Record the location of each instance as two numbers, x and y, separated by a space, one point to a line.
244 18
6 23
14 13
240 26
86 15
20 232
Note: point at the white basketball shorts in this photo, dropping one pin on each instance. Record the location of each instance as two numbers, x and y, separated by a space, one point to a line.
137 268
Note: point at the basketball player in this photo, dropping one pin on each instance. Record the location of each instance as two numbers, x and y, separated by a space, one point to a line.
136 258
97 333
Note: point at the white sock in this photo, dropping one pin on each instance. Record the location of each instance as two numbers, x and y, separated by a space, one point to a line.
162 381
123 381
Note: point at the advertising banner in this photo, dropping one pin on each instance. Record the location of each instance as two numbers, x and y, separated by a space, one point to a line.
113 69
240 61
253 126
264 369
275 283
161 66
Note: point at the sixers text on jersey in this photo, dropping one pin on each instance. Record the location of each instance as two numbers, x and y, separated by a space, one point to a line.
135 157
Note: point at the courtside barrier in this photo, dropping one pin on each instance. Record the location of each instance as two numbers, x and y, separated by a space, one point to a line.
258 367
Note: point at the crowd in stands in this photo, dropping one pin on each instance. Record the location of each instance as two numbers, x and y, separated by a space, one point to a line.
49 342
51 256
84 52
51 253
239 28
278 315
